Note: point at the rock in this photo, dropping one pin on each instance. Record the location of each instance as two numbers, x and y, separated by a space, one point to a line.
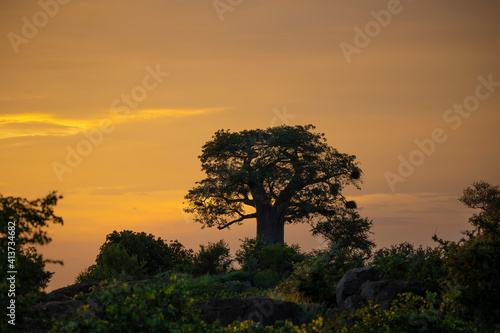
352 282
331 313
383 292
352 302
258 309
68 292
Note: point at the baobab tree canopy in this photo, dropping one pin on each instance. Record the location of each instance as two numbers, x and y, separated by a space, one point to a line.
279 175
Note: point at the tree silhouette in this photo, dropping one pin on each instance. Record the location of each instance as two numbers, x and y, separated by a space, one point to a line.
279 175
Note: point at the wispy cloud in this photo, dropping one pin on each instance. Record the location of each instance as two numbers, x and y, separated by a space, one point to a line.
162 113
23 125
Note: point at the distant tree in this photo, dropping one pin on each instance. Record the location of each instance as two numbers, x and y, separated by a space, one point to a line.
31 218
485 197
279 175
23 226
473 263
346 230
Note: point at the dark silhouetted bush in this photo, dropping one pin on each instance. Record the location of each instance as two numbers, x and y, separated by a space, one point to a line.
405 262
254 255
212 259
133 254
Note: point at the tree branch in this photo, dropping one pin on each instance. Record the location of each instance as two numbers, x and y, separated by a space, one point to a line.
332 252
243 217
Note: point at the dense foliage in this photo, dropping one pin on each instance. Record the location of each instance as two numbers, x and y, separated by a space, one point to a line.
458 282
268 262
411 313
315 279
347 230
134 254
473 263
141 308
31 219
405 262
214 258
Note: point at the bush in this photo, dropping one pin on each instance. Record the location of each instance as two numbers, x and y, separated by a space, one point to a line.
239 275
265 279
405 262
113 263
212 287
141 308
315 280
411 313
473 275
255 255
473 263
212 259
134 254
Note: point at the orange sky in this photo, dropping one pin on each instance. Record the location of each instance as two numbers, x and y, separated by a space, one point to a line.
133 89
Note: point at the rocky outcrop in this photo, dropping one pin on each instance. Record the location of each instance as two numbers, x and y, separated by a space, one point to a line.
383 292
258 309
351 284
360 285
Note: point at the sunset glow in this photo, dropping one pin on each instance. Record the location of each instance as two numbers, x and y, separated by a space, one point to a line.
109 103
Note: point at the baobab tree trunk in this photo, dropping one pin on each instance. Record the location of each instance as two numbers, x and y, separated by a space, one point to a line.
269 226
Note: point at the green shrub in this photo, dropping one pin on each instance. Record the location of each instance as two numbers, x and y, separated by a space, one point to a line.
411 313
316 279
211 287
141 308
239 275
473 276
405 262
113 263
129 254
473 263
254 255
266 279
212 259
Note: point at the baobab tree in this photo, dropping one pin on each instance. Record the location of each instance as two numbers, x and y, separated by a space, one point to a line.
278 175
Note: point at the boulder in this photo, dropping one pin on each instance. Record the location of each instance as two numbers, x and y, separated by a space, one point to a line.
258 309
383 292
353 302
352 282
